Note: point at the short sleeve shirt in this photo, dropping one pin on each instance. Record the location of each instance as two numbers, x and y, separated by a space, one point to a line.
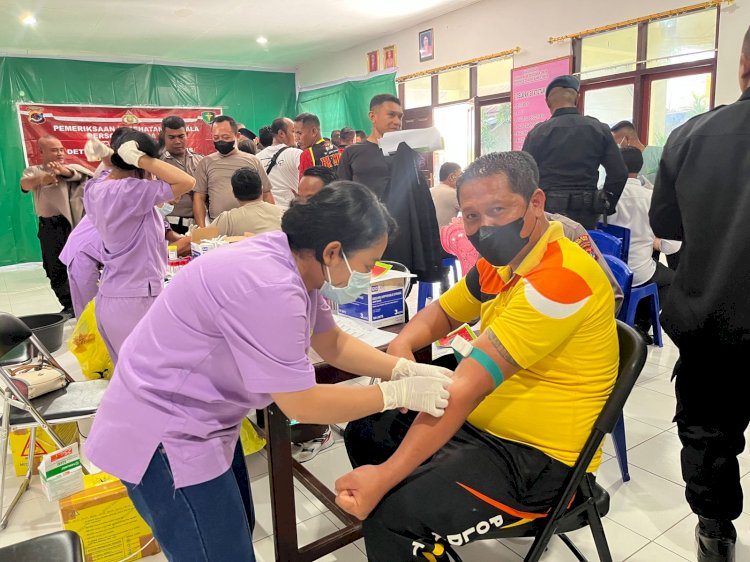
132 232
284 175
188 375
213 177
184 206
84 240
446 203
365 163
256 217
555 316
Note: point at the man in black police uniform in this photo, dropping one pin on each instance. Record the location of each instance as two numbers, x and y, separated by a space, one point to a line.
569 148
702 196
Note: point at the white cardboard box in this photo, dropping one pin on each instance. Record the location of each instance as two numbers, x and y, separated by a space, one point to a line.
384 304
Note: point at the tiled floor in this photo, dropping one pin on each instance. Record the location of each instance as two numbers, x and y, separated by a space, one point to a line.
649 520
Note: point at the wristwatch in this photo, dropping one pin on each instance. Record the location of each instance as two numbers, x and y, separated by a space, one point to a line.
463 349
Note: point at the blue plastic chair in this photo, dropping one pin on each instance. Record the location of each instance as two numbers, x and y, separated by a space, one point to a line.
424 291
607 244
624 277
618 232
637 294
452 264
633 295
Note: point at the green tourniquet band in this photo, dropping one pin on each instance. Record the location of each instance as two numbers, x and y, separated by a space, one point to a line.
489 365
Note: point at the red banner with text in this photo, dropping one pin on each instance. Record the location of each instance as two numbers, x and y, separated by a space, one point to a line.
72 124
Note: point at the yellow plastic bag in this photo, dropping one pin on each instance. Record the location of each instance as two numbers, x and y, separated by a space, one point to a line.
251 441
87 345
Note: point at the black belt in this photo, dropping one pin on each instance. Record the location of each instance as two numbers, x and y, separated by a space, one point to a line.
567 199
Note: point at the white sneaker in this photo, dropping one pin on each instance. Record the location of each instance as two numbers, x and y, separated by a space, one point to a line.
303 452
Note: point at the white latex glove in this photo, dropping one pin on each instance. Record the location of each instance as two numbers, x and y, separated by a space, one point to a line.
421 394
95 150
405 368
130 152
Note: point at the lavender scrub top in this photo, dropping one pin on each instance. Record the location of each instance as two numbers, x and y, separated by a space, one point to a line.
132 233
231 328
84 240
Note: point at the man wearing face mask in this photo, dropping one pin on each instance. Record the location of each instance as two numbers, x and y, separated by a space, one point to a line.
524 396
213 175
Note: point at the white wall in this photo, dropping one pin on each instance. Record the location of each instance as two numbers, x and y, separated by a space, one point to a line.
490 26
733 23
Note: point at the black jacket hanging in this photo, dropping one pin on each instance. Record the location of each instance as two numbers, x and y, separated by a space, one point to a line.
416 244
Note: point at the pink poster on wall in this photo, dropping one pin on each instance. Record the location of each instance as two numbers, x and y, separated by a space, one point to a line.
529 106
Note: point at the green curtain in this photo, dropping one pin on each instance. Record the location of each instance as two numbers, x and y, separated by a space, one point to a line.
255 98
346 104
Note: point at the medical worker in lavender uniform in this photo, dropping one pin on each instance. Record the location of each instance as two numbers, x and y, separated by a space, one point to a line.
169 423
121 205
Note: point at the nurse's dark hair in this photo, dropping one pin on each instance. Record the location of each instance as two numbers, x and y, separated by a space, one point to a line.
146 144
518 167
344 211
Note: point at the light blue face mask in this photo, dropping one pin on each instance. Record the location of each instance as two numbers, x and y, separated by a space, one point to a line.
359 283
165 209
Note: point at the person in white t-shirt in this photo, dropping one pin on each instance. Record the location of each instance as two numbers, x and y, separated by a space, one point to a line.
632 212
281 162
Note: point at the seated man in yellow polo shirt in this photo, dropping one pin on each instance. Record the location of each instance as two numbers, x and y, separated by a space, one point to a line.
524 398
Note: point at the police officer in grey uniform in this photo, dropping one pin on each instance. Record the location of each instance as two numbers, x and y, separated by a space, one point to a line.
569 148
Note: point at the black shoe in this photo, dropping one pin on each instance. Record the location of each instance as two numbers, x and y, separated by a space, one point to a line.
644 334
715 540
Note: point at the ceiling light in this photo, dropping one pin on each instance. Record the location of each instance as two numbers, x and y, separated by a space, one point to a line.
261 40
29 20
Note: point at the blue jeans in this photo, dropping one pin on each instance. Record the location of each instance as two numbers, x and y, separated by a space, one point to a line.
207 522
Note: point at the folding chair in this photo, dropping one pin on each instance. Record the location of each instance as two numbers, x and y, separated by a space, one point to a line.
77 401
61 546
590 502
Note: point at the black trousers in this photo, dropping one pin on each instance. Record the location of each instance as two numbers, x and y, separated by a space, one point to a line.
663 277
473 488
53 233
712 416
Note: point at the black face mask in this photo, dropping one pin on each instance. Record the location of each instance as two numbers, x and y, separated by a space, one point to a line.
499 244
224 147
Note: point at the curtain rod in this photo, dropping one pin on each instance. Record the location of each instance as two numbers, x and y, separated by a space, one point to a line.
460 64
634 21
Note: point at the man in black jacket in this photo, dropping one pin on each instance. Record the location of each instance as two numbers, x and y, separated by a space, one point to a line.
702 196
397 181
568 148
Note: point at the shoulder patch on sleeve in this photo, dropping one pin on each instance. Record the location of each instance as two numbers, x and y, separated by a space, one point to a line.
584 241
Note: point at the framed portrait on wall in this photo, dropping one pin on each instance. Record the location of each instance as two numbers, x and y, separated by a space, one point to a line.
426 45
373 61
389 56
